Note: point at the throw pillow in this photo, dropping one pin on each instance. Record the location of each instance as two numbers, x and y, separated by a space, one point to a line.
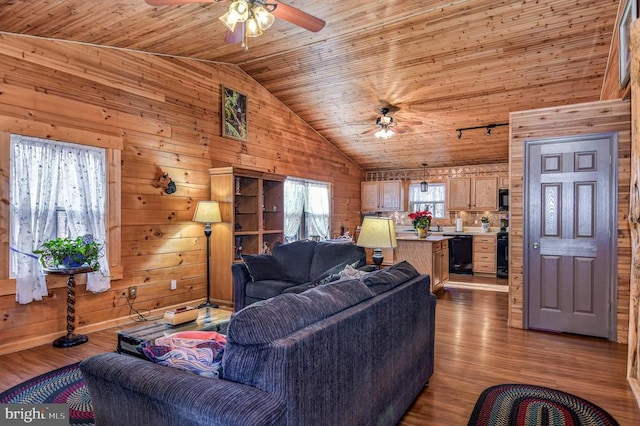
197 351
263 267
333 273
350 271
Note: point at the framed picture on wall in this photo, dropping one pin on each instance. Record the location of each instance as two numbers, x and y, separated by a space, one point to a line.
234 114
629 13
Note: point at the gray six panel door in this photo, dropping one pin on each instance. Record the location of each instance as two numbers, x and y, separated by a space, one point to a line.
569 212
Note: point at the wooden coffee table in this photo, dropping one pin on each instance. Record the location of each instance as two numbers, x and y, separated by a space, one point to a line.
209 319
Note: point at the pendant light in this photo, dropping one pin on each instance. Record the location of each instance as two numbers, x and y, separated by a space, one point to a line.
424 186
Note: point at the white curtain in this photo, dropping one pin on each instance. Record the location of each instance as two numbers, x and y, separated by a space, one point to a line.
44 175
294 197
317 208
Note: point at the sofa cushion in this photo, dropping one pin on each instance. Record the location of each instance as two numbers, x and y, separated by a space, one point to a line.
263 267
268 320
267 288
388 278
295 259
329 254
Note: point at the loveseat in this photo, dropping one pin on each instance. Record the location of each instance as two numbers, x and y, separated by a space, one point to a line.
351 352
292 268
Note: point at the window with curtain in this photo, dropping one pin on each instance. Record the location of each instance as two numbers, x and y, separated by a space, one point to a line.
307 209
57 189
433 200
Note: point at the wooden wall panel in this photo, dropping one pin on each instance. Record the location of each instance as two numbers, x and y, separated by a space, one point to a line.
594 117
633 363
611 88
165 114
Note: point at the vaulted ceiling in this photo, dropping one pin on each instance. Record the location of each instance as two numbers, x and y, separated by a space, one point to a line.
438 65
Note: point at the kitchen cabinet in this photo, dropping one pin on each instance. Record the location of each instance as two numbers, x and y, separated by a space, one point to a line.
503 182
252 210
484 254
381 196
429 256
478 193
440 265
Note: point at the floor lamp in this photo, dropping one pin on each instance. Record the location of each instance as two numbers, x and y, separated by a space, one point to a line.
207 212
377 233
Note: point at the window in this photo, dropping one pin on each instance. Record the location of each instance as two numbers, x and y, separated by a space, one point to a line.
432 200
307 209
57 189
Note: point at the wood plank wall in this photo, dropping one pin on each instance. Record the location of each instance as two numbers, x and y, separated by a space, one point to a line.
587 118
633 363
167 112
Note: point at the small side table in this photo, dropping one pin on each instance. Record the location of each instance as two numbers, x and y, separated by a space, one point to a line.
70 339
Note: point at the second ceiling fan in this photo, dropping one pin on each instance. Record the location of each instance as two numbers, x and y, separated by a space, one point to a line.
249 18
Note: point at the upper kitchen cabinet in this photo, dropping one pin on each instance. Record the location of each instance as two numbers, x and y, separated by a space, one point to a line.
503 182
478 193
382 196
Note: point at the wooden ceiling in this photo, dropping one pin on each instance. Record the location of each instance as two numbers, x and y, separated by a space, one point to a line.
447 64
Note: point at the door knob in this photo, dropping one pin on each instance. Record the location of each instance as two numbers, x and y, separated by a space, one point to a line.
535 246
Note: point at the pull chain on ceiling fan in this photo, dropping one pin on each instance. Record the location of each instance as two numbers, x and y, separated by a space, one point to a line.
249 18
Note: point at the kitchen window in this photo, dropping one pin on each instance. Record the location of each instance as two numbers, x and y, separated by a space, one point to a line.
432 200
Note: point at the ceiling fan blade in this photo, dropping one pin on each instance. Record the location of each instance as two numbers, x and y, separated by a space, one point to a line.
399 130
236 35
297 17
170 2
411 123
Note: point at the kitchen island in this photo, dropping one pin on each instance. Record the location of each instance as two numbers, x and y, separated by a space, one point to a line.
428 255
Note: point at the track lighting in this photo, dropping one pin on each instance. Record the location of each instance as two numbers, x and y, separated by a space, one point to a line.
488 128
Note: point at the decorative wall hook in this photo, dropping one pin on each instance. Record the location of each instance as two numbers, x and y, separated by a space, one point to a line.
165 183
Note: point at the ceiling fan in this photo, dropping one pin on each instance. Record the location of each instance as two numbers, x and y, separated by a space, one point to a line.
387 126
248 18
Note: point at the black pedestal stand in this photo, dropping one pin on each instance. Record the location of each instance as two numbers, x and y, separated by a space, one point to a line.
207 303
70 339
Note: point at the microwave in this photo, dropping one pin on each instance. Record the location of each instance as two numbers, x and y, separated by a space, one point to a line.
503 200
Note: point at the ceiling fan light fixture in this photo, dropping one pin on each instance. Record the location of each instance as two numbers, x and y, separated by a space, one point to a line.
229 20
241 9
263 16
383 133
253 28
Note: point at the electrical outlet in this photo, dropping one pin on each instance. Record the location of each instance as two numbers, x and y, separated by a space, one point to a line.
133 292
174 284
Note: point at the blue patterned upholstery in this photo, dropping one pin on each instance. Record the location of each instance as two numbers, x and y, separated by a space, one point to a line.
334 355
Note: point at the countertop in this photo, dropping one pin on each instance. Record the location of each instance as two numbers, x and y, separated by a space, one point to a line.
430 239
402 231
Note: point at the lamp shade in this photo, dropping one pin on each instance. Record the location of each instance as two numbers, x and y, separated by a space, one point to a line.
207 212
377 232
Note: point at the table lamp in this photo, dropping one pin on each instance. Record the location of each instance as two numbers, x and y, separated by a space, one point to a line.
377 233
207 212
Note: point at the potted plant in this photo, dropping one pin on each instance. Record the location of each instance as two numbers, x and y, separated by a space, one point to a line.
421 221
68 253
485 223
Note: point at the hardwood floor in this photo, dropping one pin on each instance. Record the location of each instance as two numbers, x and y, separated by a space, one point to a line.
474 350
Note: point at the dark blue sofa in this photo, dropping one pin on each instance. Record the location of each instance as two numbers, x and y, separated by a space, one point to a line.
354 352
292 268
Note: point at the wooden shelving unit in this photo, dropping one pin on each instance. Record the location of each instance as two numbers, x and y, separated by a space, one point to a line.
252 209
